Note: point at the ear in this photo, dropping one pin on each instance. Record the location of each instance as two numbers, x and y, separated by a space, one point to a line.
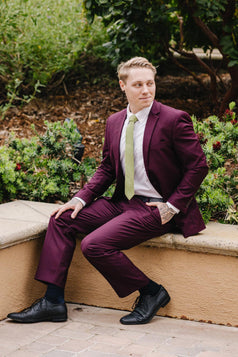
122 85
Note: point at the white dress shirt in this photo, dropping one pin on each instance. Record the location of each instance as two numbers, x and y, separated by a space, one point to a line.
142 184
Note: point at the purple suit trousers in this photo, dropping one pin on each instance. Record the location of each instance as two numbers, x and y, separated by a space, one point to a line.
109 228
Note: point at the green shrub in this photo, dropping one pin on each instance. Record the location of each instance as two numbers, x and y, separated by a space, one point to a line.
217 196
44 167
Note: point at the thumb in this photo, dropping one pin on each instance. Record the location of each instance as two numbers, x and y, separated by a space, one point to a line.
151 203
75 212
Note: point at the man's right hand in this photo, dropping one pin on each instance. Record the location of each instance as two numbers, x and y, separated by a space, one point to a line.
73 204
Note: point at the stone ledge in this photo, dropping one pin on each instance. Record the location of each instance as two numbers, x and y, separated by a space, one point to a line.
217 238
21 221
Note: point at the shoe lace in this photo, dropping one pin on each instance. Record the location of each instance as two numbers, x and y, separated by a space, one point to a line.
138 305
137 302
34 303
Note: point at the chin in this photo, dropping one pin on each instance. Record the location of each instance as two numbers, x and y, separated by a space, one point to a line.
146 104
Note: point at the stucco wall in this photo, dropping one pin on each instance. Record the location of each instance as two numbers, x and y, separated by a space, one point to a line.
17 267
202 286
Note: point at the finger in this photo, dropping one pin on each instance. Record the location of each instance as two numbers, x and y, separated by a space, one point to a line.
58 214
55 211
76 210
74 214
61 210
151 203
154 203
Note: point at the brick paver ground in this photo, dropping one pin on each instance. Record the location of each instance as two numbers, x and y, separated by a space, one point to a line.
96 332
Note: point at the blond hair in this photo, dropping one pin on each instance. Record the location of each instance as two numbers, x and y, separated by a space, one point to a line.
135 62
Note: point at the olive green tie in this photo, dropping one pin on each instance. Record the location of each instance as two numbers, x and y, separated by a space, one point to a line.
129 158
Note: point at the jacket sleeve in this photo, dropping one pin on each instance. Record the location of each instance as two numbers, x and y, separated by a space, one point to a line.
103 177
192 160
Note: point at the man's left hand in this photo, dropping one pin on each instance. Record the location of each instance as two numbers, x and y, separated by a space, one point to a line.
166 213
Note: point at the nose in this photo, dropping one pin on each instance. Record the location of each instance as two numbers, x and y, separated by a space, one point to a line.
145 88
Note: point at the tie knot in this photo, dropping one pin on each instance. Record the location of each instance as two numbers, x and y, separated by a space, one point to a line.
133 119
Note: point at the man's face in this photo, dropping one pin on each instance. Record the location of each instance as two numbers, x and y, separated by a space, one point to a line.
139 88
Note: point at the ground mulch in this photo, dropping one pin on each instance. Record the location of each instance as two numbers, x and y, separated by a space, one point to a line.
90 105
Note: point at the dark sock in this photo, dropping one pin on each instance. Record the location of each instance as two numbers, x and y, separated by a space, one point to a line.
54 294
151 288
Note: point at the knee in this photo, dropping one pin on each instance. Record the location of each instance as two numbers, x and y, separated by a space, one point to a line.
52 222
91 249
85 247
62 221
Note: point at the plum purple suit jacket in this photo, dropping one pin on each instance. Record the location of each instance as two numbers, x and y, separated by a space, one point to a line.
174 162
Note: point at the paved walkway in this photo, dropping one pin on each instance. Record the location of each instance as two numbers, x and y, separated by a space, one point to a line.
96 332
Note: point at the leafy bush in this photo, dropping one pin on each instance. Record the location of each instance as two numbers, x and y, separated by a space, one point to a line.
159 29
134 27
40 42
44 167
217 196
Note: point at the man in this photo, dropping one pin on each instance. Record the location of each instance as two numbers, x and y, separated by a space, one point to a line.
152 198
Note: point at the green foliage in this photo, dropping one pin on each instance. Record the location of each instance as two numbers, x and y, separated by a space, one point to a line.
43 167
217 196
40 42
134 27
152 28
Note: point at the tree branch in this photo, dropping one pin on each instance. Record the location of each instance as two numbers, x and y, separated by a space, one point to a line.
229 12
205 29
192 7
180 65
206 68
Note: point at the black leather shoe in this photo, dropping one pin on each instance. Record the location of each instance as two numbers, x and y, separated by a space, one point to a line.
146 307
41 310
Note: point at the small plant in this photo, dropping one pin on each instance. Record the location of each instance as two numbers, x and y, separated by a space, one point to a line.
41 168
217 196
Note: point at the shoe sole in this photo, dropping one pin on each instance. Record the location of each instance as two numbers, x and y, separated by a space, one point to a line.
63 319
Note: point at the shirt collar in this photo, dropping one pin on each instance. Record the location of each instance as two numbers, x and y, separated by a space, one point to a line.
141 115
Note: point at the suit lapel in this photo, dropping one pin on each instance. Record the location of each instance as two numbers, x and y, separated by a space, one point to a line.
149 128
150 125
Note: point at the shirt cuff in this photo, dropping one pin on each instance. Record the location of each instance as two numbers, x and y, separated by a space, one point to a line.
176 210
82 201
